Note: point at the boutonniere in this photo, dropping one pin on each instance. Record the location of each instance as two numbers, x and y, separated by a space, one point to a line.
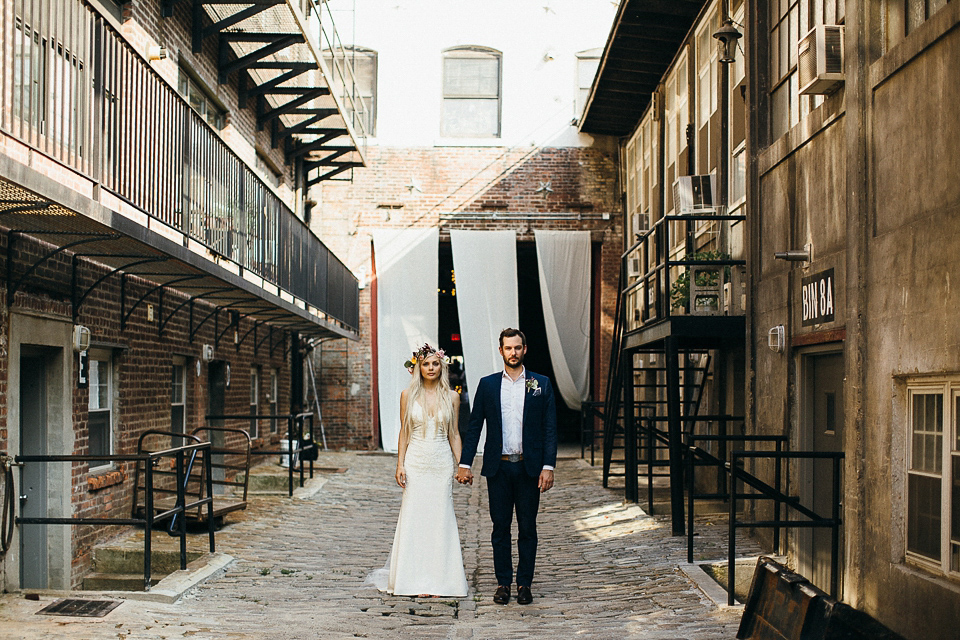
533 386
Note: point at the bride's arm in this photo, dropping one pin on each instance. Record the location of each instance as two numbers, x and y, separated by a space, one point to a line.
401 474
453 433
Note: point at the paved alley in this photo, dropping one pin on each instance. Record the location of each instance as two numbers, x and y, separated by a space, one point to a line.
605 570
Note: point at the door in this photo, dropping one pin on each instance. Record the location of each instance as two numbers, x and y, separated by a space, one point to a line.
216 402
822 432
33 475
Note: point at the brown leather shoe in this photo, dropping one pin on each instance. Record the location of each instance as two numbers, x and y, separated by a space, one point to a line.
502 595
524 595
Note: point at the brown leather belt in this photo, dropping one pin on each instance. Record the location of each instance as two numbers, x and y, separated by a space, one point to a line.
516 457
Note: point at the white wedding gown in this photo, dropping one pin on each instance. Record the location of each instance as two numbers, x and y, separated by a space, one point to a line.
426 556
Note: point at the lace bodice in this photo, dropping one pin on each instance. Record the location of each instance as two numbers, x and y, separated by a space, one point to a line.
426 425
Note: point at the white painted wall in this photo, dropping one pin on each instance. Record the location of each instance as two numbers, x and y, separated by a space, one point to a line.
539 40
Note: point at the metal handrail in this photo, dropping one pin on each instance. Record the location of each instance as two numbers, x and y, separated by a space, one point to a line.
295 427
590 412
149 459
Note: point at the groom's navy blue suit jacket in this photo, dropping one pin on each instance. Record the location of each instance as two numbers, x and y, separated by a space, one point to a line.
539 426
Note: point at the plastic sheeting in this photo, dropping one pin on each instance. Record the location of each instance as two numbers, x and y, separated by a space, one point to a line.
485 263
407 306
563 259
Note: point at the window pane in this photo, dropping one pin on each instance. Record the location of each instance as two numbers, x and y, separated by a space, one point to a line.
955 499
178 384
781 111
927 438
471 117
99 389
177 416
923 517
471 77
98 424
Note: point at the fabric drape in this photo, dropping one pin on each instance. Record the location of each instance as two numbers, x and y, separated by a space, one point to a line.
407 307
485 264
563 259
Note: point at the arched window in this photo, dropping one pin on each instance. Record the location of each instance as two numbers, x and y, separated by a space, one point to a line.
471 93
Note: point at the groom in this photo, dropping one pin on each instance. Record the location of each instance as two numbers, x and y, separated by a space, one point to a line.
518 460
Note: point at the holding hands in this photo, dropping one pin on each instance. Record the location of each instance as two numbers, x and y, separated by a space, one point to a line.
464 476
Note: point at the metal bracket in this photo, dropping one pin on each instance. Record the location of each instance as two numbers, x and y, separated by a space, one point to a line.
13 287
125 315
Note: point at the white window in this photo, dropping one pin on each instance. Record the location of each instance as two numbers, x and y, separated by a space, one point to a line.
274 394
933 475
178 399
471 93
706 102
677 118
99 406
254 402
587 64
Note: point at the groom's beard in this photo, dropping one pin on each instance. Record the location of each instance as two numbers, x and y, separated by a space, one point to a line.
514 362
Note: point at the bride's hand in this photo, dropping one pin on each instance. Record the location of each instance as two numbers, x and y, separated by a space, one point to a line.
401 477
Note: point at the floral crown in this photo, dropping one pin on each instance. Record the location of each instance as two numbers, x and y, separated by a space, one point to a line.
425 351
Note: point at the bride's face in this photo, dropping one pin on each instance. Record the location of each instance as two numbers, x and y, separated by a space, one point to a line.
430 368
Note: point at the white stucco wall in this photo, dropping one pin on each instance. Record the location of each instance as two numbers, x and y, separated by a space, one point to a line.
539 40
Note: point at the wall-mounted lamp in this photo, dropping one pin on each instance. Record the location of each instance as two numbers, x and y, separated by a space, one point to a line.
206 354
777 339
794 255
81 338
727 37
156 52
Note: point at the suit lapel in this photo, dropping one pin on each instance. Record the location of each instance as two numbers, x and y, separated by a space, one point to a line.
526 403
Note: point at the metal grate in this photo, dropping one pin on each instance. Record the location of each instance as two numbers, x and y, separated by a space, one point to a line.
81 608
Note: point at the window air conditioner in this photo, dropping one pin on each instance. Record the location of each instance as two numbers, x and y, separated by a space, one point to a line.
633 267
820 60
639 222
694 194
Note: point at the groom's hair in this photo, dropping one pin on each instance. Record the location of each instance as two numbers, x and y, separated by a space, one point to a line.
510 333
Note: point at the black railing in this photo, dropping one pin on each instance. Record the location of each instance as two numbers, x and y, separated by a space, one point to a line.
298 424
76 91
664 280
184 458
590 413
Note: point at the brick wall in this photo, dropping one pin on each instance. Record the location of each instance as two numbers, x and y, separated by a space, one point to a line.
415 187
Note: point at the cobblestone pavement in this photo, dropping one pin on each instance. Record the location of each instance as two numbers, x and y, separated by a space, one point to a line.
605 570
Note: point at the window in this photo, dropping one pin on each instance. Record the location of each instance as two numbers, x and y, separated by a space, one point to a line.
471 93
587 64
677 117
254 402
361 90
269 170
640 176
933 475
707 56
99 405
274 394
178 400
201 101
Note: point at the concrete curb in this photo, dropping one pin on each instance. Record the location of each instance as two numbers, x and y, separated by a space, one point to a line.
171 588
710 588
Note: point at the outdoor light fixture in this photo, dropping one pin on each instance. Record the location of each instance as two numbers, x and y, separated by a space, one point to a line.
777 339
794 255
727 37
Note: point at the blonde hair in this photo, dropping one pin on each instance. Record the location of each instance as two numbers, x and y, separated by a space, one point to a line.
416 392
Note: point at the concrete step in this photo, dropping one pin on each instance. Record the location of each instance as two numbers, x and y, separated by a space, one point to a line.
118 581
117 560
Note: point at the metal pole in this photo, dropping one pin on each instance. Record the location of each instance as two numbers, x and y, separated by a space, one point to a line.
208 458
675 427
835 531
630 441
290 449
776 503
651 458
691 464
148 524
732 532
181 509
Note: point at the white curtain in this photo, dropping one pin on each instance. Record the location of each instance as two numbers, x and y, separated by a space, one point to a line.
485 264
407 274
563 258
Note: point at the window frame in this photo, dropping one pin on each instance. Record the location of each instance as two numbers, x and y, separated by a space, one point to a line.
254 401
101 356
370 102
948 563
178 363
468 52
210 100
580 99
274 398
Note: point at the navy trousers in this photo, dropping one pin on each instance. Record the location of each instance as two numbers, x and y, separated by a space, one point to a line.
511 491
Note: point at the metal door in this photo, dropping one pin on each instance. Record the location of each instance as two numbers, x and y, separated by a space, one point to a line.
822 431
33 475
216 403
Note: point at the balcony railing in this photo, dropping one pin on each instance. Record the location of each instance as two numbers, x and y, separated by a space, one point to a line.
665 281
74 90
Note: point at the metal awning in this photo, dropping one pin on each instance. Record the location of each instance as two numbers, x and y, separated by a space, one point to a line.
642 43
176 276
293 73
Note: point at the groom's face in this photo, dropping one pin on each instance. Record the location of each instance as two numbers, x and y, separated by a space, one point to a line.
513 351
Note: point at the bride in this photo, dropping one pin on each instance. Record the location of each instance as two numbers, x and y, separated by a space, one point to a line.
426 558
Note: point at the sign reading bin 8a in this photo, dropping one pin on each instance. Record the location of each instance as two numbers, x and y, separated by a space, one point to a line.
817 298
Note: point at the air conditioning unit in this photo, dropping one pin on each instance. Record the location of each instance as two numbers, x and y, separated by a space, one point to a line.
633 267
639 222
820 60
695 194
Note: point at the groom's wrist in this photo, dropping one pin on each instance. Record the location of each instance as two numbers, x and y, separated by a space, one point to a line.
464 466
547 467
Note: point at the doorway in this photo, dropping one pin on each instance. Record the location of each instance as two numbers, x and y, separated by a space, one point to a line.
33 476
821 431
216 405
